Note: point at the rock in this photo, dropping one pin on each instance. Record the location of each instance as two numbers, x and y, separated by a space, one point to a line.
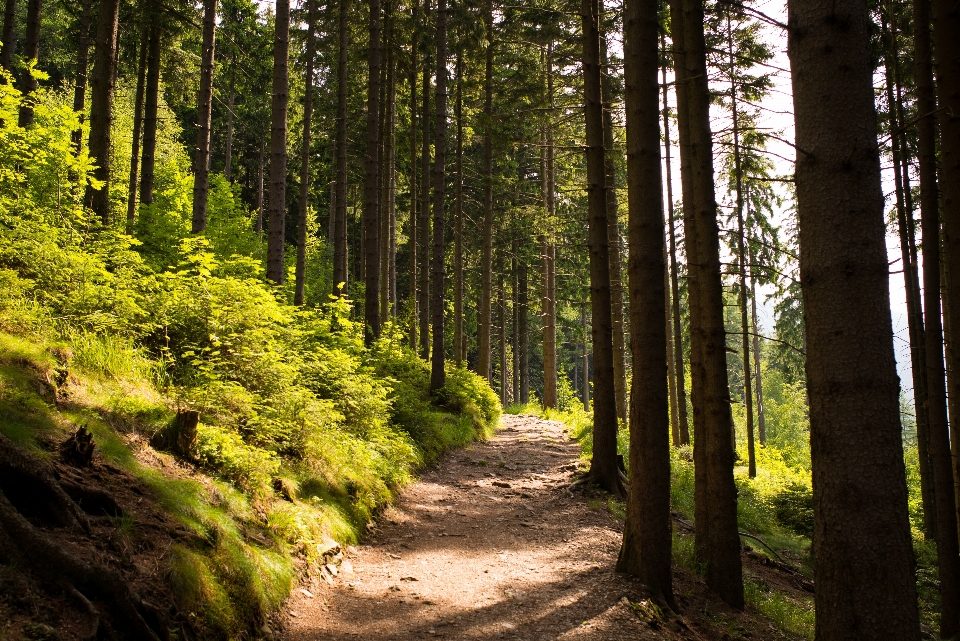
346 566
409 578
332 569
328 547
266 632
306 593
501 484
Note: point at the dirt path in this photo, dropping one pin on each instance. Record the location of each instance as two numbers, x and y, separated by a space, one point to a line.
490 544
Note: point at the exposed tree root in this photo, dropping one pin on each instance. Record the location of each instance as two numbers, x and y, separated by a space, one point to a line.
37 494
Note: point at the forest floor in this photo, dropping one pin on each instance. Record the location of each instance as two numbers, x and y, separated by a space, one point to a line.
492 543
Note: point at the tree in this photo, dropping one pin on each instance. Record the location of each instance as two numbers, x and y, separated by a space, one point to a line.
276 236
83 51
864 573
423 226
152 103
459 340
717 538
603 469
437 374
31 51
371 222
8 43
301 269
486 261
137 132
101 106
339 239
201 162
646 548
549 259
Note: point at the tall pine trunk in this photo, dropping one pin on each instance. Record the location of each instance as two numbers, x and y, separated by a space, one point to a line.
201 164
761 417
277 205
864 570
31 51
101 106
459 351
715 491
301 269
8 41
437 373
603 469
83 52
340 275
742 257
371 222
549 297
151 105
486 265
228 145
137 132
613 235
647 539
413 231
524 332
423 228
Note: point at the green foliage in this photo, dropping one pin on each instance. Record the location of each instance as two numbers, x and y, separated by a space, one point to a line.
305 433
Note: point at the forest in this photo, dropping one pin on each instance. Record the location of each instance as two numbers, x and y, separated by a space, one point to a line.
263 265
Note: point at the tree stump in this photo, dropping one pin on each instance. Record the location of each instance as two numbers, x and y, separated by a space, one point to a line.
179 437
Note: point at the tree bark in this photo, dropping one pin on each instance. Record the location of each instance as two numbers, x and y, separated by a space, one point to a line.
148 162
613 235
371 209
301 269
549 301
515 325
523 332
486 285
502 313
391 182
83 52
437 372
946 36
277 205
647 539
228 146
911 282
258 226
603 469
201 163
31 51
459 350
761 419
424 225
8 42
340 275
742 255
413 235
715 492
864 569
137 132
101 106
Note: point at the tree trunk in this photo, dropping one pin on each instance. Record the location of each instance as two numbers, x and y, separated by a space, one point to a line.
340 275
603 469
549 301
371 209
502 313
201 163
31 51
301 269
424 226
8 42
437 373
613 236
524 333
515 305
277 206
486 284
946 34
392 174
101 106
864 569
647 539
911 282
80 88
742 255
680 384
228 151
716 493
258 227
150 116
459 350
413 235
761 418
585 359
137 131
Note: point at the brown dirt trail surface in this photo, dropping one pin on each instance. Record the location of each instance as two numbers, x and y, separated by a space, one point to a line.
489 544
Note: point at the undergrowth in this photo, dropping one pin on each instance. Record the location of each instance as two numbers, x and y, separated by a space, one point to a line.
304 432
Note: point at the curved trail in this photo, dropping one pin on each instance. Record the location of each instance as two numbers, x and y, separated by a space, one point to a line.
487 545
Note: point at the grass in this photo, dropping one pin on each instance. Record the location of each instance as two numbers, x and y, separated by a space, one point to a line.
792 615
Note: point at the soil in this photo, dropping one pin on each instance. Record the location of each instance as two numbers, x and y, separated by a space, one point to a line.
493 542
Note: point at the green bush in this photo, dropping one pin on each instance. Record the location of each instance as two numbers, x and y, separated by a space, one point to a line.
793 507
